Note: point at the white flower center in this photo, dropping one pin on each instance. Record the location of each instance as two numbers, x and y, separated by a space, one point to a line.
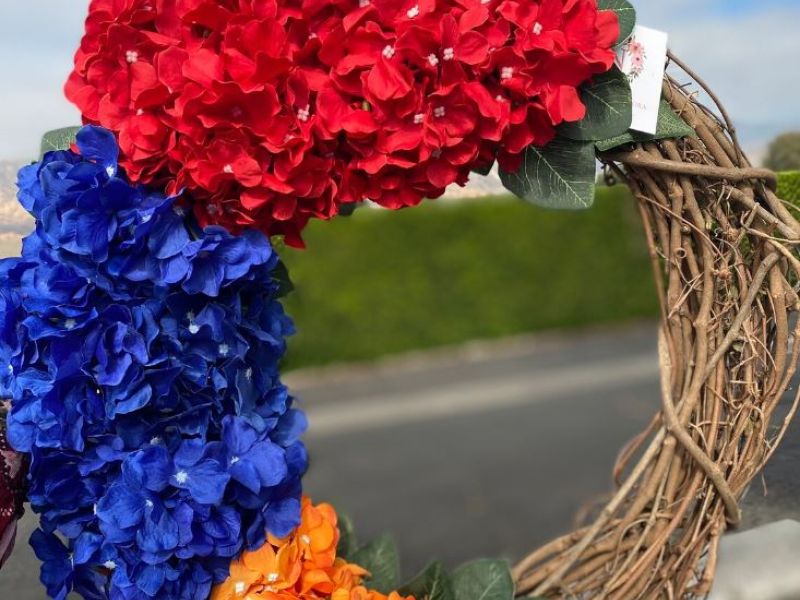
110 565
240 587
273 577
537 28
305 539
304 114
439 111
224 349
363 3
419 118
140 112
413 11
433 59
499 98
248 374
506 72
131 56
155 441
449 54
181 477
228 169
436 153
179 211
235 460
194 328
148 503
70 324
388 51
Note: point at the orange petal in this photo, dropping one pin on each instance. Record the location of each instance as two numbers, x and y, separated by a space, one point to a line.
262 560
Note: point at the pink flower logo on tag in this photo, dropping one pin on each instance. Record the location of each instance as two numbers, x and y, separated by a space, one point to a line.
634 56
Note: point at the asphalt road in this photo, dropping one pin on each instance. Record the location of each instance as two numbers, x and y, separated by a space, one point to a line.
488 451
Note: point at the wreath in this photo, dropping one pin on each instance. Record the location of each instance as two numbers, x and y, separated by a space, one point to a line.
142 325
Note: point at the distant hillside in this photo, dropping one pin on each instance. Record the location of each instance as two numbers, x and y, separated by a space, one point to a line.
13 218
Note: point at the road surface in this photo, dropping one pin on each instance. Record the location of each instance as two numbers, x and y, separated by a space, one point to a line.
486 451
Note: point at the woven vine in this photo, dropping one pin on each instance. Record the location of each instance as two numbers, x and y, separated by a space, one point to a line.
724 253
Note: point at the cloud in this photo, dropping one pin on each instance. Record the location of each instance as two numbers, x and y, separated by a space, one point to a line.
37 41
747 50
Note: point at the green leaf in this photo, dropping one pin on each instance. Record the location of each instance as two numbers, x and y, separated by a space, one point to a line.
281 276
433 583
484 170
609 108
58 139
347 209
625 13
559 175
382 560
483 580
670 125
348 543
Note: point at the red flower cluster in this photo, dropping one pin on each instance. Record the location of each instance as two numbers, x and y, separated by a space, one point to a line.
270 112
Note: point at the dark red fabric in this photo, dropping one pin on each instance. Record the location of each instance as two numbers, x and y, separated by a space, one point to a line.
12 488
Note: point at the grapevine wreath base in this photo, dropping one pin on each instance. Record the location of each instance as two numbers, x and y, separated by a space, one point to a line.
723 248
164 451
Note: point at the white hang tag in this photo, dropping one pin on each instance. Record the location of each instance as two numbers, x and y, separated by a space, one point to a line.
643 58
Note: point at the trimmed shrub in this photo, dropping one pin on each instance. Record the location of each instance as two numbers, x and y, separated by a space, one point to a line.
444 273
784 153
789 187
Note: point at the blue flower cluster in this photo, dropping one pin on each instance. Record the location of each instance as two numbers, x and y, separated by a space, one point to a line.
143 365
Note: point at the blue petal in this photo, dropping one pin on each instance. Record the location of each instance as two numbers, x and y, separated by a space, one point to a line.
206 481
270 462
97 144
121 507
150 580
135 401
85 547
282 516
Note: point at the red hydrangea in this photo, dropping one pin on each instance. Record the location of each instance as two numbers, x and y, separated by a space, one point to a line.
271 112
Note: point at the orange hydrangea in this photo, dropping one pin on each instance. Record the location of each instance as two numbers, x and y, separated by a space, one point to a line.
302 566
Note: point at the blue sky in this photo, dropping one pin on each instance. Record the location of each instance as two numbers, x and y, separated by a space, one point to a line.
749 50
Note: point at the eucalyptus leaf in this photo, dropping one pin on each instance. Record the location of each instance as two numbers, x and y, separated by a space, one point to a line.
625 13
483 580
484 170
347 209
433 583
670 126
348 543
382 560
609 108
559 175
281 276
58 139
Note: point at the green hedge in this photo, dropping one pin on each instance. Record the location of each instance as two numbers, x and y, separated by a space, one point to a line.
789 187
381 282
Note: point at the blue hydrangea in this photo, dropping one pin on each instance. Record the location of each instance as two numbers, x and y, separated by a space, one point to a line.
143 360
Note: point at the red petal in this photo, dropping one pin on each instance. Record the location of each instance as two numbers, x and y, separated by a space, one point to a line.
386 81
472 48
204 67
